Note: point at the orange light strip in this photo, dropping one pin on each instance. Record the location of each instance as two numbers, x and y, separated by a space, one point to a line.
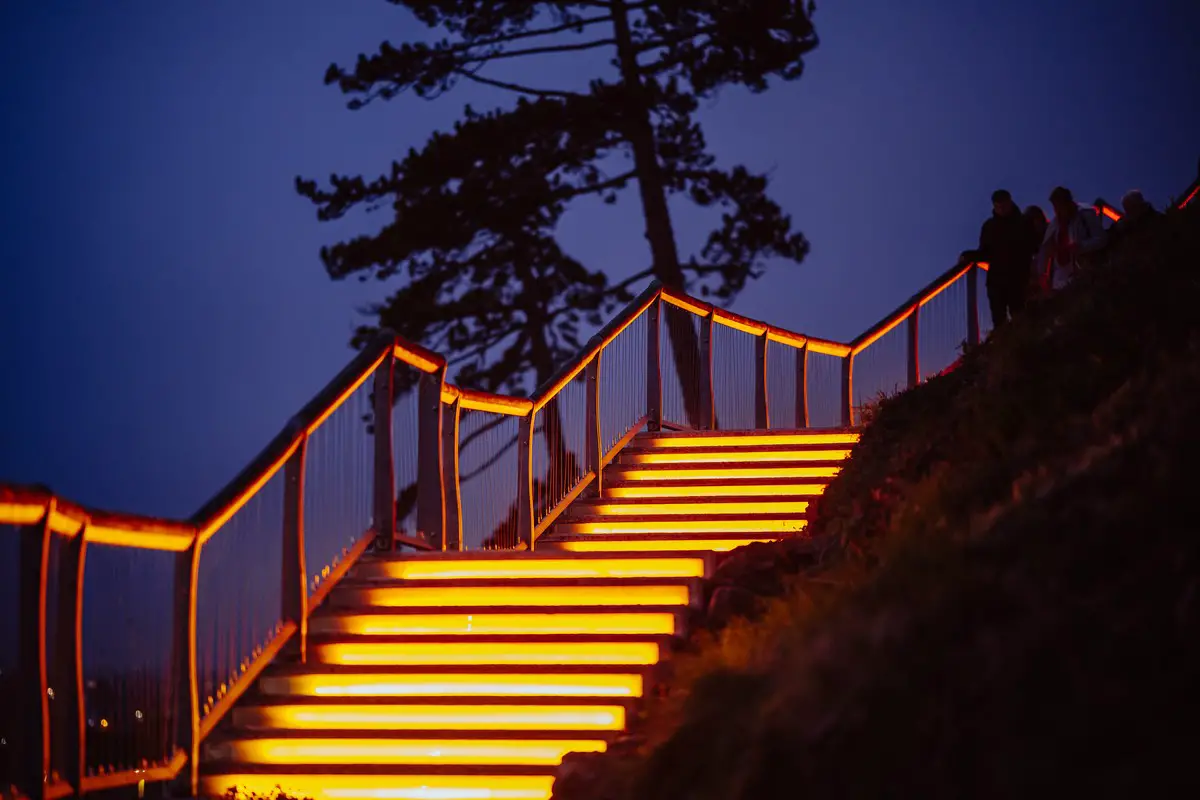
519 569
442 684
1187 200
536 596
651 474
602 545
950 282
749 440
18 513
687 526
732 456
1110 212
699 507
884 330
490 752
381 787
486 624
647 491
434 717
416 359
476 653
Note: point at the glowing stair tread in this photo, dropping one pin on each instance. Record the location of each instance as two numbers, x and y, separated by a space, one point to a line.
838 437
307 681
615 543
525 566
688 506
723 470
382 785
704 488
514 593
366 651
652 621
683 523
319 748
440 714
755 454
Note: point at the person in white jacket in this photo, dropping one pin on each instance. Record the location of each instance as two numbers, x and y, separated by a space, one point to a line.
1075 232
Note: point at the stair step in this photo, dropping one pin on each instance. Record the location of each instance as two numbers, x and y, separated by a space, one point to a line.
652 621
714 487
780 524
825 436
514 593
321 748
615 543
440 714
757 454
394 783
721 470
453 683
687 506
380 651
526 566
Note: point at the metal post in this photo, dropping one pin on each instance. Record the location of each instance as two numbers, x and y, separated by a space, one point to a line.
972 305
914 345
525 481
762 416
34 770
385 468
594 444
653 366
71 718
802 387
183 666
848 390
293 604
450 432
431 494
707 406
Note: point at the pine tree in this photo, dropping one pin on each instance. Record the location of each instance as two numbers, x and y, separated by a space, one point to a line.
475 210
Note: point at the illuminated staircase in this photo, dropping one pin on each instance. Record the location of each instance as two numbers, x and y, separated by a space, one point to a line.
471 675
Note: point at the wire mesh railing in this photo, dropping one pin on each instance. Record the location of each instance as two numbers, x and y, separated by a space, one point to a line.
622 383
487 464
558 444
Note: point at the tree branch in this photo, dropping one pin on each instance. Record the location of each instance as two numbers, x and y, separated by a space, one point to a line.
541 51
512 37
512 87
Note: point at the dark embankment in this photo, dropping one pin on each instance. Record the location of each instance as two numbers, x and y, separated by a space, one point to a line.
1002 595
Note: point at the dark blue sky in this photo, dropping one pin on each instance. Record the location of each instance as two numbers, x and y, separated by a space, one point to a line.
163 310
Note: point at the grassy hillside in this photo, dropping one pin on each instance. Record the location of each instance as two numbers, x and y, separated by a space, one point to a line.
1001 597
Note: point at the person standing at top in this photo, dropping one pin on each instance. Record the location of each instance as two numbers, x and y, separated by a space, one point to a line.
1037 218
1007 242
1074 236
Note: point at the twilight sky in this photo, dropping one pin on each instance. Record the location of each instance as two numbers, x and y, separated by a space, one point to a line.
163 310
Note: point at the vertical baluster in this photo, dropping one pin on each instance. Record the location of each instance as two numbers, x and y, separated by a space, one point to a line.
594 446
802 387
848 390
384 489
914 355
294 583
431 495
69 666
525 480
762 416
972 305
707 407
654 366
183 665
454 530
35 704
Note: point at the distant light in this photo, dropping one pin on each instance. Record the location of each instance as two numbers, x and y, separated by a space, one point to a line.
50 691
137 714
91 723
3 742
103 723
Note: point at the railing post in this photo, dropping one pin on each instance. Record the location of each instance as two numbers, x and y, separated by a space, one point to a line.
972 305
450 432
914 346
802 387
34 701
183 666
71 719
293 604
385 468
707 406
594 444
762 416
525 481
653 366
431 495
848 390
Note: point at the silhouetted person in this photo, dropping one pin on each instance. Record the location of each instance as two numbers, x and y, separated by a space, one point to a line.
1039 223
1006 242
1074 235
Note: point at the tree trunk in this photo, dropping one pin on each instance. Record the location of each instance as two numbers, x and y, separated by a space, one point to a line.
685 344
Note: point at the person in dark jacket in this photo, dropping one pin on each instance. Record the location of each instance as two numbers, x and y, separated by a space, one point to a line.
1007 242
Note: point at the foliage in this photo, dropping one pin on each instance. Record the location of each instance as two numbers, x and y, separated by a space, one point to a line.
1010 608
474 211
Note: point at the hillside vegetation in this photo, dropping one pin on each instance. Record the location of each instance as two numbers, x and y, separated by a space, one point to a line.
1001 595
